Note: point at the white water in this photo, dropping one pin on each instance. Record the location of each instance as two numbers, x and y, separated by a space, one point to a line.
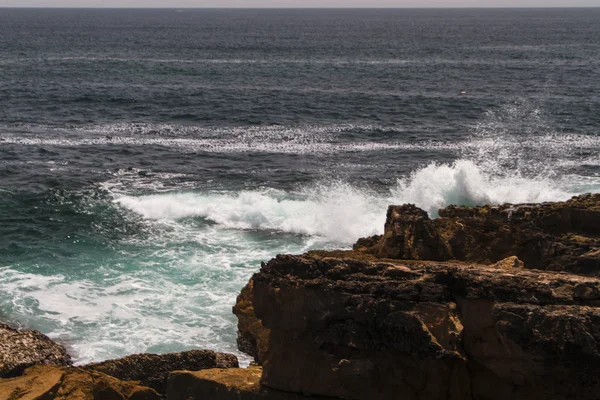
339 213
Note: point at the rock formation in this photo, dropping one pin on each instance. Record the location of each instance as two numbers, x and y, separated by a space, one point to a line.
391 321
153 370
344 325
408 234
22 349
49 382
225 384
563 236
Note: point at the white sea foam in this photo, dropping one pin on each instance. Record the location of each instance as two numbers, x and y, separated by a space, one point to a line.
340 213
237 145
145 309
517 134
464 183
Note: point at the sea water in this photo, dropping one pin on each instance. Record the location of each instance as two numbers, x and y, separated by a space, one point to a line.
151 159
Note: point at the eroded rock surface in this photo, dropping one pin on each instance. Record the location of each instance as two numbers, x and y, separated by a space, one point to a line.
220 384
410 235
49 382
344 324
21 349
562 236
252 335
153 370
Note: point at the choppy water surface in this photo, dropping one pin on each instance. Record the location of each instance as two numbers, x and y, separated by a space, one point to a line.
150 159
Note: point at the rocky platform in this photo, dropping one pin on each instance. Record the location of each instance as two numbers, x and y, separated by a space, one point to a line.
346 325
153 370
20 350
51 382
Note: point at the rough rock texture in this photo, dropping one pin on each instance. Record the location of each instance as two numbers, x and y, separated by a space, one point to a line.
48 382
562 236
220 384
153 370
409 234
22 349
349 325
252 335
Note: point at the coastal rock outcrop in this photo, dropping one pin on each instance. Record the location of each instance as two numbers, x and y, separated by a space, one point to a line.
152 370
20 349
225 384
353 326
50 382
408 234
561 236
252 335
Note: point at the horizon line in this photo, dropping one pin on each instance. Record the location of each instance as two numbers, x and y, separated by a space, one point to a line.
297 8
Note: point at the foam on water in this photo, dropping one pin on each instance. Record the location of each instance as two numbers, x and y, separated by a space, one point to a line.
341 213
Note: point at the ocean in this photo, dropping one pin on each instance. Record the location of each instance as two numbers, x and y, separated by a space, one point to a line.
151 159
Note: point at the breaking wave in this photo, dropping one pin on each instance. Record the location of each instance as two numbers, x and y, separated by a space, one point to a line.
341 213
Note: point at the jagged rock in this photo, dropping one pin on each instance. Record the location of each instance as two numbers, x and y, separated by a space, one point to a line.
252 336
348 325
219 384
409 234
562 236
22 349
152 370
49 382
508 263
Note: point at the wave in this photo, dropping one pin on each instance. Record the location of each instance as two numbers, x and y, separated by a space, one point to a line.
229 146
341 213
465 183
338 212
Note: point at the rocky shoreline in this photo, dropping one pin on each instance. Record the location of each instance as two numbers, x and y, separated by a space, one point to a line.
494 302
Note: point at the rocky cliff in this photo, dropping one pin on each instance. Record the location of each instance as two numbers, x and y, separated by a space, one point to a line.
402 318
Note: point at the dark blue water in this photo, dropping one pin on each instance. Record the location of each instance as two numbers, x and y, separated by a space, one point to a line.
150 159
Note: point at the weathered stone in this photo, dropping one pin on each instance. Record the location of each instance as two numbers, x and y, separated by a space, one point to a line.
508 263
22 349
153 370
252 336
49 382
562 236
409 234
219 384
424 330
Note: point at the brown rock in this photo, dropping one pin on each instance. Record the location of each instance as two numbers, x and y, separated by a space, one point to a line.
409 234
48 382
22 349
219 384
562 236
347 325
153 370
252 336
508 263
